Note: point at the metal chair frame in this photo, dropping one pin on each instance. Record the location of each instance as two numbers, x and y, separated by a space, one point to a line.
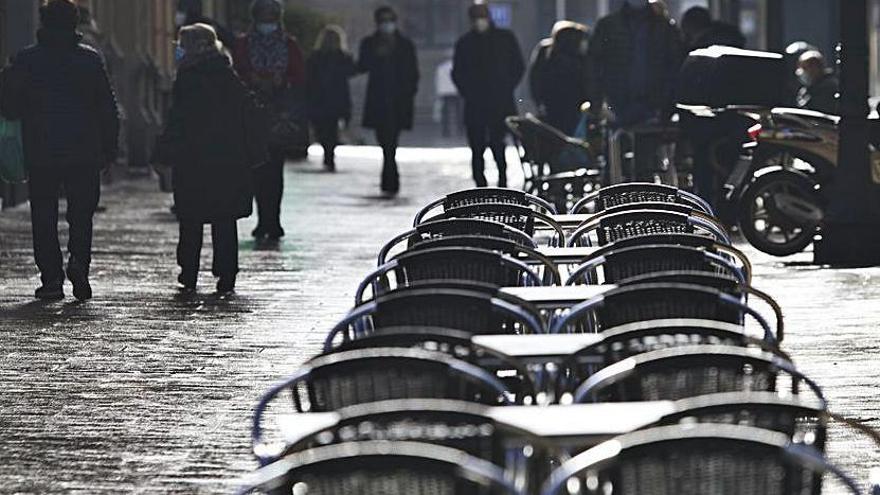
616 373
281 475
722 437
400 267
463 371
690 222
486 195
495 210
455 226
588 306
658 192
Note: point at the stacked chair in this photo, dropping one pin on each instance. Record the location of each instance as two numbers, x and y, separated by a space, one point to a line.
652 372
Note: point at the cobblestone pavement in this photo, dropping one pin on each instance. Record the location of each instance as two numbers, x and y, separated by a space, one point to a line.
144 391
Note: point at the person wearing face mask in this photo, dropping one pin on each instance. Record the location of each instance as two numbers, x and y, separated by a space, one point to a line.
329 68
190 12
270 62
819 86
487 67
562 82
389 60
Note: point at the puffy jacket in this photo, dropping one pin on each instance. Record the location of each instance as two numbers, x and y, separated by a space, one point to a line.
60 91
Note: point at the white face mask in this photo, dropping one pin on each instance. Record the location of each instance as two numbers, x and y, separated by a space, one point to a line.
388 27
179 18
267 27
803 77
481 24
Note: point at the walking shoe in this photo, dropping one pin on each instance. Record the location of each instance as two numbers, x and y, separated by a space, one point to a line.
52 291
79 277
187 282
275 234
226 285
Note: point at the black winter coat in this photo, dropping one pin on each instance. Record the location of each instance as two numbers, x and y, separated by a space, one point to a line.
327 89
393 72
487 68
563 83
60 91
637 56
206 142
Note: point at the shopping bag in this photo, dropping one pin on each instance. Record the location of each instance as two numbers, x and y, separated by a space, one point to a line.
12 169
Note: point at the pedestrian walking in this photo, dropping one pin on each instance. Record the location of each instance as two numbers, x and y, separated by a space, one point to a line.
208 144
562 77
191 12
819 85
60 91
389 59
699 30
270 62
488 66
329 98
448 99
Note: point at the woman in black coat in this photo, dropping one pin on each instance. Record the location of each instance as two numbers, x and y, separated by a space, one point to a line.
210 145
389 59
327 71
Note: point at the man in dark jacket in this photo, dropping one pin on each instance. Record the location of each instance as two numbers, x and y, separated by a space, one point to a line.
636 54
701 31
819 86
389 59
487 67
60 91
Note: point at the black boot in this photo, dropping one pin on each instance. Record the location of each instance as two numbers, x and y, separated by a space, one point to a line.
187 282
79 277
226 285
51 291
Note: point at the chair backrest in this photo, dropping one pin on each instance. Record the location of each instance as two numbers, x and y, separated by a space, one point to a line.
636 261
639 192
448 341
720 281
454 227
803 421
389 468
656 301
696 460
484 195
547 268
518 217
690 371
626 224
449 263
461 306
464 426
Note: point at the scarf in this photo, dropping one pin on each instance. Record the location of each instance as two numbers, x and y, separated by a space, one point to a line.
268 52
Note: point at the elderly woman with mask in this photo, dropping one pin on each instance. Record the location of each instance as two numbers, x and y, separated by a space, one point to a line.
270 62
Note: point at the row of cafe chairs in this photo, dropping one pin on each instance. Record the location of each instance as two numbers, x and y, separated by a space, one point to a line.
410 395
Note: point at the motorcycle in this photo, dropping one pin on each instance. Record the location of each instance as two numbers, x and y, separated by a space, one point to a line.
779 187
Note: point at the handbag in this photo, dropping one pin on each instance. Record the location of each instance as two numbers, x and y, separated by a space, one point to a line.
12 167
288 125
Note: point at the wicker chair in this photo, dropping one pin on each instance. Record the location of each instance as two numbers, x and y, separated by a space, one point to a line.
486 195
639 192
333 381
689 371
454 227
614 227
521 218
463 426
381 467
657 301
465 306
696 460
448 263
628 262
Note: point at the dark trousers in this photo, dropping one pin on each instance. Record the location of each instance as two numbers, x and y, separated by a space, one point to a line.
327 133
268 189
389 138
82 186
483 134
224 239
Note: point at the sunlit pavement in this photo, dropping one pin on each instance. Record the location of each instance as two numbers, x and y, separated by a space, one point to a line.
147 391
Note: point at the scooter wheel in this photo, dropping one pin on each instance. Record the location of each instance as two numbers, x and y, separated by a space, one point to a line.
766 223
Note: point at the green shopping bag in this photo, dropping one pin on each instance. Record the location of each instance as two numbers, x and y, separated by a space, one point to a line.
11 152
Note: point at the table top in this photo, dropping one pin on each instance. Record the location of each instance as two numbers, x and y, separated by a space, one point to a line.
556 296
578 425
568 254
569 220
537 348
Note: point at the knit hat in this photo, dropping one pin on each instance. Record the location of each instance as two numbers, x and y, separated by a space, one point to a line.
198 39
258 6
62 15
